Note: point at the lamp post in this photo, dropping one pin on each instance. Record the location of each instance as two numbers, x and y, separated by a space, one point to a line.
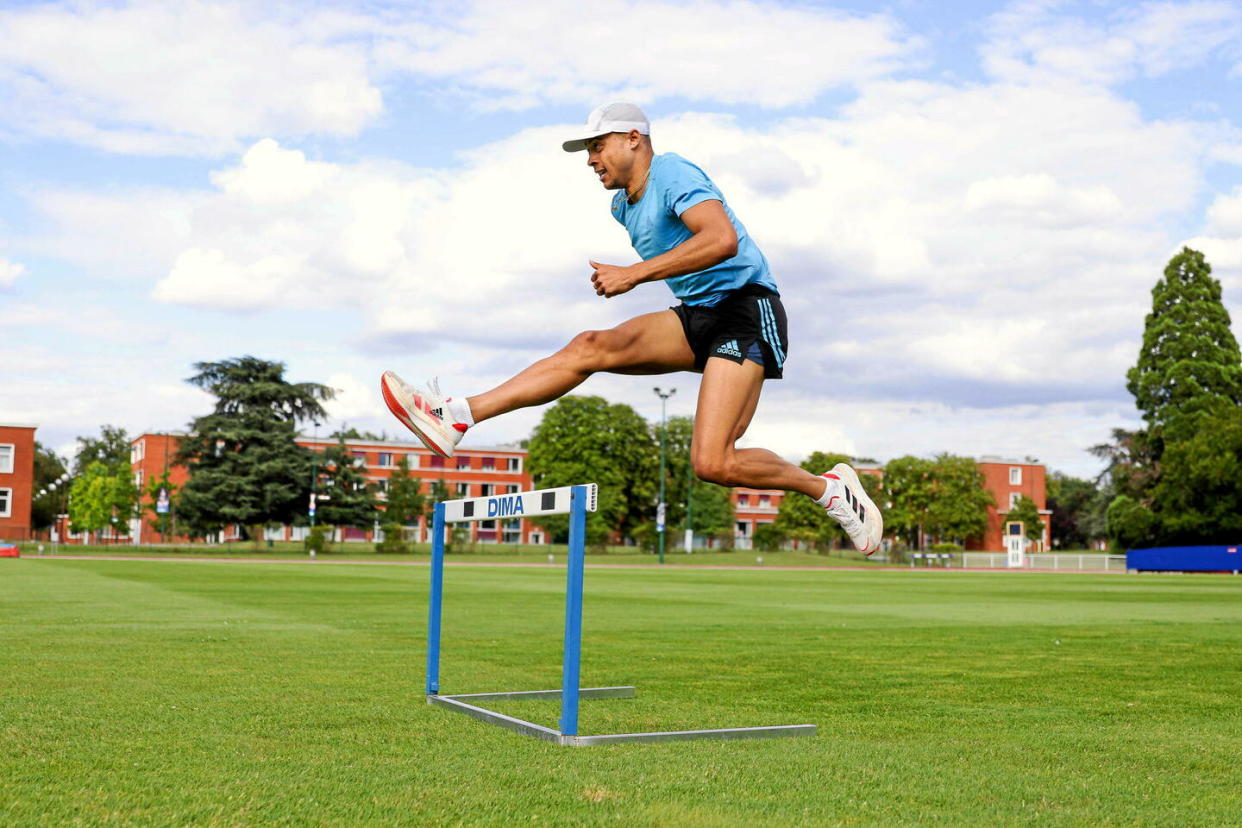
689 509
660 506
314 482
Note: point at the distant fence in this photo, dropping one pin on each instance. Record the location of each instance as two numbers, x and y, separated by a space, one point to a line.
1055 563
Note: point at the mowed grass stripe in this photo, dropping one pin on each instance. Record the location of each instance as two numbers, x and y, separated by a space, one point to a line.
252 694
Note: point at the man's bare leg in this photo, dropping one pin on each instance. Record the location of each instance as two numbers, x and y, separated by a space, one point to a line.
728 397
650 344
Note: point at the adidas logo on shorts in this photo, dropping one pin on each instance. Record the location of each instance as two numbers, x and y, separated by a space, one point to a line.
729 348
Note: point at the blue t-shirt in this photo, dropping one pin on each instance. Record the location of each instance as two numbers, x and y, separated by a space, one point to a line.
655 227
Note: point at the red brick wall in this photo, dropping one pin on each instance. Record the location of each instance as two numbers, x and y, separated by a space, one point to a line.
20 481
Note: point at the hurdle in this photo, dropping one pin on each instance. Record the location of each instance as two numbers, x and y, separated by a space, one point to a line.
576 501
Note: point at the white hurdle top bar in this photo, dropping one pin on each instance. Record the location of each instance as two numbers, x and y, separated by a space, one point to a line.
518 504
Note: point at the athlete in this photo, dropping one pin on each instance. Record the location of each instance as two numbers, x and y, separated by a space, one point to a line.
730 326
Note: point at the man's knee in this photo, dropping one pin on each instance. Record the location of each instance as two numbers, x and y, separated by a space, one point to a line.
718 469
591 350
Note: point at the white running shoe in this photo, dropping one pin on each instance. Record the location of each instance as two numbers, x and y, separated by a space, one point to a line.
423 412
849 506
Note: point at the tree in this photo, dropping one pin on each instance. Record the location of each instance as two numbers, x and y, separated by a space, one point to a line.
907 495
406 501
111 448
1199 497
101 497
1026 511
1130 523
959 502
1189 364
50 488
1071 501
245 466
162 523
587 440
350 497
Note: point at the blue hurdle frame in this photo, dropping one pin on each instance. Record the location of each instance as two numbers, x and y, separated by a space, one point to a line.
581 499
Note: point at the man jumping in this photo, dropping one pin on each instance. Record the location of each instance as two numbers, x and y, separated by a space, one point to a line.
730 326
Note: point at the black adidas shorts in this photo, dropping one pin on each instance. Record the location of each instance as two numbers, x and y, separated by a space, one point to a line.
747 324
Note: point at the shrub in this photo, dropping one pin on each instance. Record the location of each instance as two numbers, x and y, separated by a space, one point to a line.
394 540
316 542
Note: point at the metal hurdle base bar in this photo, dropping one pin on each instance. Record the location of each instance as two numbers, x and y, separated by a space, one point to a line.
464 703
576 501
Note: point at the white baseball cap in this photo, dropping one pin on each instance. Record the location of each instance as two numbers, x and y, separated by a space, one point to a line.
613 117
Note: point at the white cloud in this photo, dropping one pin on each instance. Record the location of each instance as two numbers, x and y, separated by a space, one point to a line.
189 78
354 400
987 244
522 54
9 273
1040 42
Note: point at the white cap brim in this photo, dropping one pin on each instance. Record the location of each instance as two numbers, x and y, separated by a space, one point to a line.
605 127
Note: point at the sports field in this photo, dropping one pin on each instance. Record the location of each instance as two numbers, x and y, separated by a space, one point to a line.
204 693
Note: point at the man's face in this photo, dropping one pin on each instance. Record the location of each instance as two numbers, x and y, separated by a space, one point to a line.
612 159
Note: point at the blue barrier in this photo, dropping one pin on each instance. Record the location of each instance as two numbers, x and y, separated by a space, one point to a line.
1185 559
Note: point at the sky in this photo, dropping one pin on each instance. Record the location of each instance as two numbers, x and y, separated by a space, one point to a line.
965 205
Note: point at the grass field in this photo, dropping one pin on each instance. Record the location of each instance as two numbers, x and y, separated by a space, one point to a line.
201 693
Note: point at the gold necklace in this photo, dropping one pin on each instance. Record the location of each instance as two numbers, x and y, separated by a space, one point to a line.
633 197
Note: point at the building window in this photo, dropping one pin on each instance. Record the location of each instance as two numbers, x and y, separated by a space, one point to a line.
6 458
381 484
138 451
360 457
437 462
463 462
743 528
765 502
487 490
489 464
463 490
743 500
385 458
138 478
1013 499
515 464
1015 476
6 502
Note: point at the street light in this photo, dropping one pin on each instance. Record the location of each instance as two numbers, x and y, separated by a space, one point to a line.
660 507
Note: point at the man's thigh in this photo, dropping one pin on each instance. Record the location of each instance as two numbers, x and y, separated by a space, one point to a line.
653 343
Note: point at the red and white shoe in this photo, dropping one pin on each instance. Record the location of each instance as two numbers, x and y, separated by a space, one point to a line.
424 412
849 506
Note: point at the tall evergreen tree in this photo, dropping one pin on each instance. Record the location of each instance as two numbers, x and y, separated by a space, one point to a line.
406 500
350 497
1189 363
245 466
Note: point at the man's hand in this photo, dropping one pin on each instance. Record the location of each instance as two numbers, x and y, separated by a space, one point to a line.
612 280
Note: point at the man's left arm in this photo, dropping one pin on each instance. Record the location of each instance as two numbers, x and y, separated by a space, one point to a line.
713 240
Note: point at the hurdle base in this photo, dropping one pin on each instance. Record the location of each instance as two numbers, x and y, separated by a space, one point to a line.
459 704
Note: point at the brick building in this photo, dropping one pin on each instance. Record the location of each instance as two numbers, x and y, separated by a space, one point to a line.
471 472
482 471
17 449
1007 480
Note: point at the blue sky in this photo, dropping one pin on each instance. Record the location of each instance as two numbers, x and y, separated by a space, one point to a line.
965 204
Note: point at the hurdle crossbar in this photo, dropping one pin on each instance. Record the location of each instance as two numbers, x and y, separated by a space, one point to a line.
576 501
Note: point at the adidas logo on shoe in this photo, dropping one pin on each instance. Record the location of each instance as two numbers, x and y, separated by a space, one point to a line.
729 349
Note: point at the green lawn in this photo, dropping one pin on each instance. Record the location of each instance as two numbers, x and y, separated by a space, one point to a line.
201 693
